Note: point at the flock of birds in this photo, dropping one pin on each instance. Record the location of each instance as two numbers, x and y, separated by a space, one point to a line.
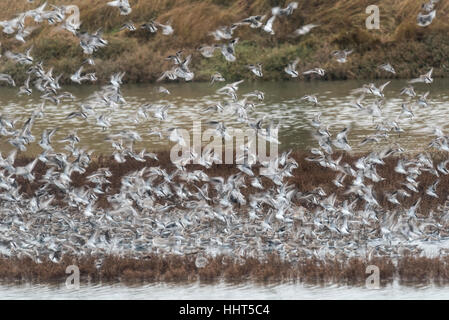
182 211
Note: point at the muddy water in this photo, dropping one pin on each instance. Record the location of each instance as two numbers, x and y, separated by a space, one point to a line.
282 103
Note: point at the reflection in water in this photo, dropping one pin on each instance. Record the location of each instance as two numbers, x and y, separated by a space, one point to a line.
282 103
221 291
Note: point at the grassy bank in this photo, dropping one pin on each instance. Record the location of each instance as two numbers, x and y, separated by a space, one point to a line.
412 50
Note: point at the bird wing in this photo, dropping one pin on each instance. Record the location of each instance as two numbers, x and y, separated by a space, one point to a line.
293 5
382 87
295 63
115 3
270 22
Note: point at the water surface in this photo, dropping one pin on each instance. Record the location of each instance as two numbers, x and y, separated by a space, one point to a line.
222 291
282 104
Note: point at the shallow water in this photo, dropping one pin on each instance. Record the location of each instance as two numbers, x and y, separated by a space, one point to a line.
221 292
282 103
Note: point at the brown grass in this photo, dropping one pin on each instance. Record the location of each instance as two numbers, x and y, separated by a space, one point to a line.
174 268
400 41
170 268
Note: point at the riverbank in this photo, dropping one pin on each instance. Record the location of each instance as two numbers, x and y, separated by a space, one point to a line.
411 49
